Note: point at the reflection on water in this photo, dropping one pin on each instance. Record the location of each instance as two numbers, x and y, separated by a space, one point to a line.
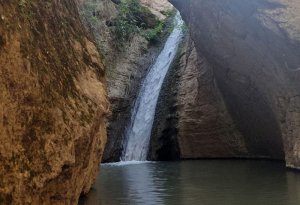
207 182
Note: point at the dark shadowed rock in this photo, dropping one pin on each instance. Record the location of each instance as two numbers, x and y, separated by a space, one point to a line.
253 49
116 1
191 118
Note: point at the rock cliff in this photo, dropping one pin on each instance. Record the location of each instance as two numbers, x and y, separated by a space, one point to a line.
53 103
126 66
248 59
198 124
205 127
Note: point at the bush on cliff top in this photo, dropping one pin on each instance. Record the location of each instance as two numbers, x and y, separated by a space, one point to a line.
135 18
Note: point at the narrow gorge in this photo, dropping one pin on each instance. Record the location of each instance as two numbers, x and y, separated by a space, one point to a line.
149 102
139 129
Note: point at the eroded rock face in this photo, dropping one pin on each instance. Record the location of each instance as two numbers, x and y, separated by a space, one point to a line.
125 77
127 70
254 51
205 127
158 7
53 104
126 67
191 118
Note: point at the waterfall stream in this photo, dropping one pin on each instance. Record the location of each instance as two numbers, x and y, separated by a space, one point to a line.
139 128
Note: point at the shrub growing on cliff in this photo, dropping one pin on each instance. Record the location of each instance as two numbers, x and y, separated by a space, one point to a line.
168 12
152 35
125 22
132 18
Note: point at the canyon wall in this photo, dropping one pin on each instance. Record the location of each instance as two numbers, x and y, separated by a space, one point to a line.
250 53
53 103
205 127
126 64
191 118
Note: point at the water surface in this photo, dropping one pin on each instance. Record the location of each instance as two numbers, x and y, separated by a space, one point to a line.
206 182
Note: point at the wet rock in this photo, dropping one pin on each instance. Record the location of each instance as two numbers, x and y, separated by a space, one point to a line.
190 104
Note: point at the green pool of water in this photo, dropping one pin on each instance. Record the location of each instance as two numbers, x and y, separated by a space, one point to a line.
203 182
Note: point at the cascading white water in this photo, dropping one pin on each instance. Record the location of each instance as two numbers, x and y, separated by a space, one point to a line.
139 130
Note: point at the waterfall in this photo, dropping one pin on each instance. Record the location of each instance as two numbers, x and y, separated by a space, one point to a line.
138 132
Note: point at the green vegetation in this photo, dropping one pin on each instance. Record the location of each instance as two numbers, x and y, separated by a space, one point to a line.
130 19
152 35
135 18
94 20
168 12
25 9
90 8
22 3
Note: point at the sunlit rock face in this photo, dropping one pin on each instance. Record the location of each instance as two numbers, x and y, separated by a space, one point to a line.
253 49
53 104
158 7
